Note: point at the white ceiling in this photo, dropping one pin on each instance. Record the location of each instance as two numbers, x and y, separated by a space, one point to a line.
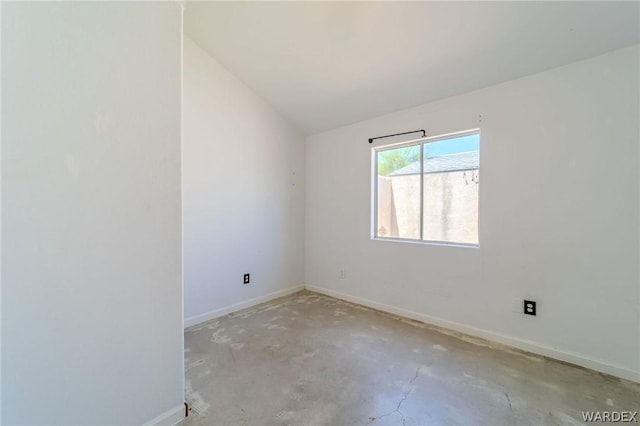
328 64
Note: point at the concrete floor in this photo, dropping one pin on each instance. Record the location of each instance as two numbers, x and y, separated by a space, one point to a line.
309 359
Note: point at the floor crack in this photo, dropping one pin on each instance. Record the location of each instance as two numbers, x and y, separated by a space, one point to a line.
508 399
405 395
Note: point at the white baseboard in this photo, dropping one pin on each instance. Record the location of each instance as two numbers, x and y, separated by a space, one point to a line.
168 418
191 321
515 342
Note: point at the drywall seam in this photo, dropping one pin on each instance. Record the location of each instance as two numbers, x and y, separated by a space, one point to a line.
168 418
191 321
526 345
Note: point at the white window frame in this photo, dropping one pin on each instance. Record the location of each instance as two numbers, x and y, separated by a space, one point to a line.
374 186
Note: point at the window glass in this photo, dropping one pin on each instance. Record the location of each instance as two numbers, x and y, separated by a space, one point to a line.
435 199
398 196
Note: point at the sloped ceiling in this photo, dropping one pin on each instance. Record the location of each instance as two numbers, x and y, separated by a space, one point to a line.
328 64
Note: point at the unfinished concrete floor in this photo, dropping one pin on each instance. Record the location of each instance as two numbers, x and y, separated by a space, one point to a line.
309 359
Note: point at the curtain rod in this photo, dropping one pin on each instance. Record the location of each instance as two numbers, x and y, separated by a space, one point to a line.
424 135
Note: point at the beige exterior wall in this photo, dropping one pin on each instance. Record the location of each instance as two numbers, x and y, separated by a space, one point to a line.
450 207
387 222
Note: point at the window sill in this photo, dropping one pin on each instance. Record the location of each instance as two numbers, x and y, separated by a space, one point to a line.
428 243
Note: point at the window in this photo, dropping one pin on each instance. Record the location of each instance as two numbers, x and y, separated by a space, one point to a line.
427 190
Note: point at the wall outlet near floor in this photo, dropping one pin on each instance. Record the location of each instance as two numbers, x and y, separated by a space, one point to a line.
343 274
247 278
529 307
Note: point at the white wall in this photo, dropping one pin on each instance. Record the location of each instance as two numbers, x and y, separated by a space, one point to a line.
559 216
243 189
0 217
91 274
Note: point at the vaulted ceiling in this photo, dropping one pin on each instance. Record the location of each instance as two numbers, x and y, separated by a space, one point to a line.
327 64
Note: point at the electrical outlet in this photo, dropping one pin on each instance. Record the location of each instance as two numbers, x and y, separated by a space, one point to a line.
247 278
529 307
343 274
